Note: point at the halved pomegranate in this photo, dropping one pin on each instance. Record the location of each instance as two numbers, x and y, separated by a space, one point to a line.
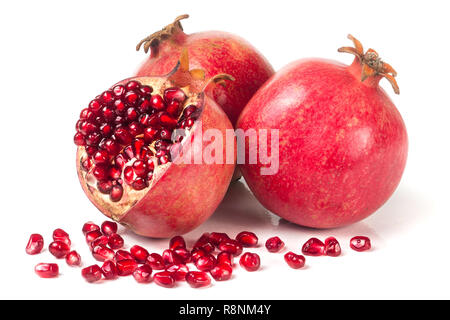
141 150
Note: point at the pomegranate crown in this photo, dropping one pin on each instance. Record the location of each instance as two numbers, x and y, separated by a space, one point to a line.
153 40
371 63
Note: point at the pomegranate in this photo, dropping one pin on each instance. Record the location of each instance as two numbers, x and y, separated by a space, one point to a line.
215 52
138 149
342 142
47 270
35 244
177 242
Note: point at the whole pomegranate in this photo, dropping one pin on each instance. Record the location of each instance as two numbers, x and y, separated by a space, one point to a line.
215 52
141 148
342 142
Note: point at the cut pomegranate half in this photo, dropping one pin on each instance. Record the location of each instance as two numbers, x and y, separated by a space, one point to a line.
136 145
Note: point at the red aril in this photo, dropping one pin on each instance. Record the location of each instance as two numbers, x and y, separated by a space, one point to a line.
177 242
155 261
360 243
47 270
231 246
90 226
123 255
92 235
197 253
115 241
225 258
215 52
109 227
61 235
197 279
274 244
35 244
170 257
143 274
126 267
313 247
139 254
59 249
140 169
102 253
184 254
164 279
341 130
92 273
109 270
332 247
250 261
206 263
100 241
221 272
295 261
73 258
179 271
216 238
247 239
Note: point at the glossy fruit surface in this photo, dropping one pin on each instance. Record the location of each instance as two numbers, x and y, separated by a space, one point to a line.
47 270
92 273
250 261
198 279
360 243
313 247
295 261
35 244
341 130
215 52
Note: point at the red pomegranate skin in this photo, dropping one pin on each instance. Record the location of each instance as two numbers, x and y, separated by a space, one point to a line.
342 149
215 52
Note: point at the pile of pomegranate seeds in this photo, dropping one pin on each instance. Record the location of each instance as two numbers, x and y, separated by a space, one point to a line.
211 256
127 132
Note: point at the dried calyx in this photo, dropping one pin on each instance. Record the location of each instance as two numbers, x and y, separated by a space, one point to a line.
128 134
371 63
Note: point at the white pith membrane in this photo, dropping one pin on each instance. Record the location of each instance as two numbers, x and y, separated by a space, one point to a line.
131 196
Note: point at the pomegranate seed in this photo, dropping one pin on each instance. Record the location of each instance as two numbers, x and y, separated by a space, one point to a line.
225 258
61 235
92 273
101 157
166 120
115 241
95 105
177 242
206 263
183 254
109 270
174 94
231 246
118 90
313 247
197 253
332 247
132 114
47 270
123 136
217 237
135 128
360 243
189 110
274 244
250 261
79 139
109 227
164 279
102 253
104 187
143 274
133 85
295 261
157 102
247 239
116 193
107 97
100 172
73 258
131 98
35 244
126 267
146 90
197 279
221 272
139 254
59 249
90 226
123 255
170 257
92 235
173 108
179 271
155 261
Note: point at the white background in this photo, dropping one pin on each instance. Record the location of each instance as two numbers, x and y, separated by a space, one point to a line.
56 55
